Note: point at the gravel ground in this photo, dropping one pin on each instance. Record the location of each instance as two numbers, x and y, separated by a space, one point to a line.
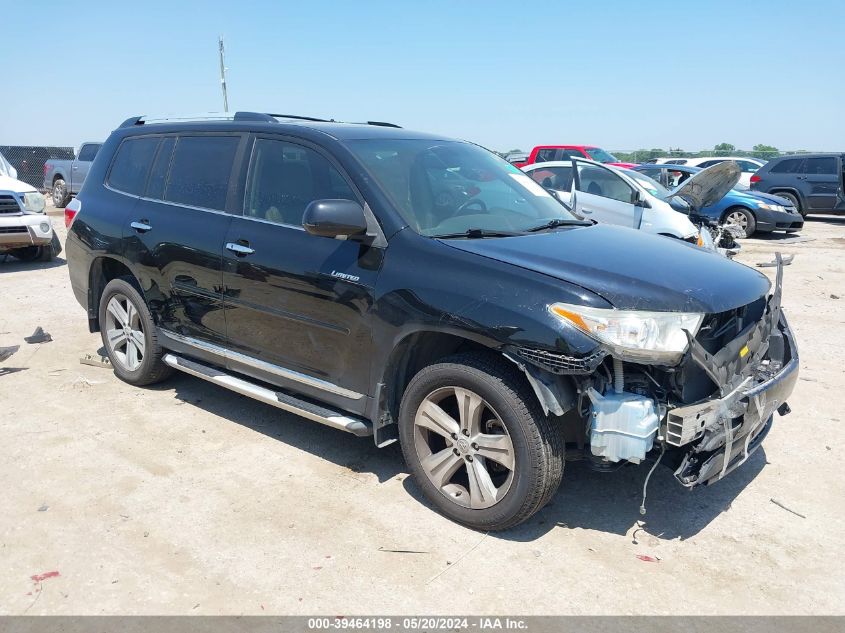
187 499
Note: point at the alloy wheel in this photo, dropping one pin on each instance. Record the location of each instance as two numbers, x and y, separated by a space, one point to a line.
124 332
464 447
738 218
58 194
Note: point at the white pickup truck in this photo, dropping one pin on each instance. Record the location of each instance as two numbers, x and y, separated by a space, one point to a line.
63 178
25 229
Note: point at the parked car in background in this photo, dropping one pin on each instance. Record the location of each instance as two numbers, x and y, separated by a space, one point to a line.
548 153
64 178
25 230
751 211
517 158
612 195
813 183
749 166
492 340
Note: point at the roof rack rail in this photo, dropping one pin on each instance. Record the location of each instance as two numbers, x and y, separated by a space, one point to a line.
236 116
301 118
205 116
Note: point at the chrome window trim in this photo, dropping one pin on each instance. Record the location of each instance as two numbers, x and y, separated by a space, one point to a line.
255 363
175 204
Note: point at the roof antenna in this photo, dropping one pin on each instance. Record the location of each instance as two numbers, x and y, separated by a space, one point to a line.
223 76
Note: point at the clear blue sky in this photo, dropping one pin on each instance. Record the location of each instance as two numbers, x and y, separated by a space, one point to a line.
503 74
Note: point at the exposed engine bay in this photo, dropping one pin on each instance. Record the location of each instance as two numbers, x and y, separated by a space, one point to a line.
703 416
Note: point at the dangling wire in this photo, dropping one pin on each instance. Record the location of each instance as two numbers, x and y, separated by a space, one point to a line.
647 477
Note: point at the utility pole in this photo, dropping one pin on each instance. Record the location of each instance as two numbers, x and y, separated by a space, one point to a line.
223 77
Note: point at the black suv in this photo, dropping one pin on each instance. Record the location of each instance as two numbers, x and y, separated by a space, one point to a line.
420 289
814 183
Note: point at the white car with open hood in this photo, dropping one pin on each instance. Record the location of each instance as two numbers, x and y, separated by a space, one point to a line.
25 229
611 195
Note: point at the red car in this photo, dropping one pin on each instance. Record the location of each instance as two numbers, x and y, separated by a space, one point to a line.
546 153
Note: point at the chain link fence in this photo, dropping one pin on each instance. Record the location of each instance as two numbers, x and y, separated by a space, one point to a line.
29 160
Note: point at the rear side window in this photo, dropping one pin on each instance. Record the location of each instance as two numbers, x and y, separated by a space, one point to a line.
545 155
787 166
132 164
558 178
826 165
200 171
89 151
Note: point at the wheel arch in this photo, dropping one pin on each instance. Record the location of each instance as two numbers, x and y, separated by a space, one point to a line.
791 190
103 269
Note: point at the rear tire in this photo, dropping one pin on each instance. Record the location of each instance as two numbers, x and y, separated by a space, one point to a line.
793 199
61 195
743 218
477 443
129 335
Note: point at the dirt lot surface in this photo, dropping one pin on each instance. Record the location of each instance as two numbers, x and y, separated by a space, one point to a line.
187 499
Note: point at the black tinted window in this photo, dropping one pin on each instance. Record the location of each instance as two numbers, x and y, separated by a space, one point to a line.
826 165
158 174
200 170
89 151
545 155
284 178
787 166
132 164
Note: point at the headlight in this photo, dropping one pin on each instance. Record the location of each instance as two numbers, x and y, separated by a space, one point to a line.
33 202
633 334
705 239
770 207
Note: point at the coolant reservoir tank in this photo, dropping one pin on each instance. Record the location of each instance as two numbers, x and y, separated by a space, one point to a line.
623 426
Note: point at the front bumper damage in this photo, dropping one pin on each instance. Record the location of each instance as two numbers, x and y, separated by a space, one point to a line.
757 372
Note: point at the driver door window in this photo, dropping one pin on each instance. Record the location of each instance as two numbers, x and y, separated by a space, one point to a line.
604 196
284 178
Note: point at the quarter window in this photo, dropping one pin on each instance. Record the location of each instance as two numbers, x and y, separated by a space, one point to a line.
826 165
132 164
200 171
284 178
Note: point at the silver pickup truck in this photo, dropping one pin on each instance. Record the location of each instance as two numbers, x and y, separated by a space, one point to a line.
64 178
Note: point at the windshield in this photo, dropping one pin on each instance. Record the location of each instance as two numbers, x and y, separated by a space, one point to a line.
448 187
650 185
601 156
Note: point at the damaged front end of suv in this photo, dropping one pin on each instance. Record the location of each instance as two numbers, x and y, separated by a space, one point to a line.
694 391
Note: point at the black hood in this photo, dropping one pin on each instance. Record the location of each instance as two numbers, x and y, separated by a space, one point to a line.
630 269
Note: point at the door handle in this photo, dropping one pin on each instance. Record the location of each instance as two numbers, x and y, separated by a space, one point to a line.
141 226
239 249
587 211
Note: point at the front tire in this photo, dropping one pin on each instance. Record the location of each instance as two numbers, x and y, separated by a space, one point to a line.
793 199
129 335
61 195
743 218
477 443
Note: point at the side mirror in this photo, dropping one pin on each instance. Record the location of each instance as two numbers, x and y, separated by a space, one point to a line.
334 218
639 201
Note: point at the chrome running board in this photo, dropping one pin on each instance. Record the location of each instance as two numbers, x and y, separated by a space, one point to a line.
315 412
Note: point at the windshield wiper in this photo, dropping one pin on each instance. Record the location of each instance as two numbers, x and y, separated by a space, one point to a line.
474 233
553 224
